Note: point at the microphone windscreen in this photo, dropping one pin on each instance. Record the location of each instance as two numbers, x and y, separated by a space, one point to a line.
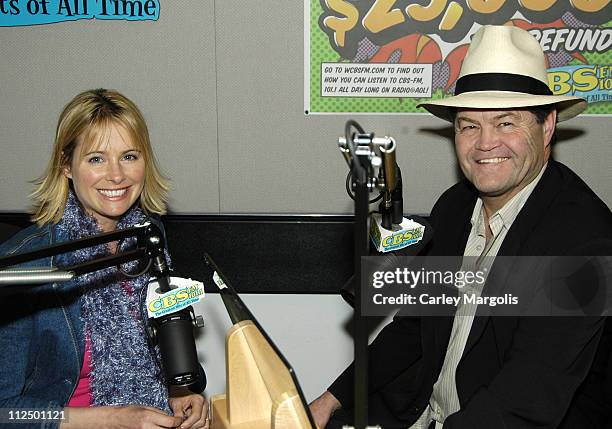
415 248
402 235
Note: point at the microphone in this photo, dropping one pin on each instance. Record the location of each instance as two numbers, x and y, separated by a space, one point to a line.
406 245
389 229
390 179
391 234
171 324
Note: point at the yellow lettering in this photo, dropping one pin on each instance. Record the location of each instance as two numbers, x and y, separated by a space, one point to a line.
585 79
381 16
169 301
182 295
155 304
537 5
557 81
387 241
451 16
426 13
589 5
485 6
341 25
397 239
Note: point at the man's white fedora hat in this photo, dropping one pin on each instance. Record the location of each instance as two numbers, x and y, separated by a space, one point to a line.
504 68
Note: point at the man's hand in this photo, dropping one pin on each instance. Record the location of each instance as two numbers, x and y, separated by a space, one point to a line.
323 407
193 409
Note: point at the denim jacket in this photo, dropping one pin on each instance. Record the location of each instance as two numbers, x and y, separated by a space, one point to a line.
41 337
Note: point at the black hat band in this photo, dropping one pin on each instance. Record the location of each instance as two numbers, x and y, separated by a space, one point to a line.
501 82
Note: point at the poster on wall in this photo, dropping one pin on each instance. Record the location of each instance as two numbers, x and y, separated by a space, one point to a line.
387 56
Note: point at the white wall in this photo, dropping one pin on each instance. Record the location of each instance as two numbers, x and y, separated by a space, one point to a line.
312 332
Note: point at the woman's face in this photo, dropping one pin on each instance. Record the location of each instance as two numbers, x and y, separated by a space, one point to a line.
108 177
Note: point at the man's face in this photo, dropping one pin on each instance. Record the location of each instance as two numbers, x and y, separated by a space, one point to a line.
501 151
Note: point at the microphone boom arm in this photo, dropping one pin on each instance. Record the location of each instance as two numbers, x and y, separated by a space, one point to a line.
150 243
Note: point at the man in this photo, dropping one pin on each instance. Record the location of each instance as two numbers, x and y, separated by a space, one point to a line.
497 372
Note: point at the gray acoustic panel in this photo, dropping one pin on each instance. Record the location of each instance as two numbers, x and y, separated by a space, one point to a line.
585 145
273 157
167 67
221 85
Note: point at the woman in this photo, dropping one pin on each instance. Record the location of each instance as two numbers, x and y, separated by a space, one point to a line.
82 345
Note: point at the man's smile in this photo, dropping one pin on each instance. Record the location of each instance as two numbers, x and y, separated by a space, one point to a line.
497 160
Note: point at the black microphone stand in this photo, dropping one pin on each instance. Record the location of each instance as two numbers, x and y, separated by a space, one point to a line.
150 244
360 329
360 163
364 154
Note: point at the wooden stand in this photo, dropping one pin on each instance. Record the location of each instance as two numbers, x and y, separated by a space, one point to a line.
260 391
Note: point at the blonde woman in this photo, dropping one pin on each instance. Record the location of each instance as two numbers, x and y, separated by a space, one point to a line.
81 346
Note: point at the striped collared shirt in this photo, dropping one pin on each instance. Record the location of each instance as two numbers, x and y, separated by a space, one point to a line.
444 399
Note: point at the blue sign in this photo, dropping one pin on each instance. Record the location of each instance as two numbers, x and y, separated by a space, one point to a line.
14 13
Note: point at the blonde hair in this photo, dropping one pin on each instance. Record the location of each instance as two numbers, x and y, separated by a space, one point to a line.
89 116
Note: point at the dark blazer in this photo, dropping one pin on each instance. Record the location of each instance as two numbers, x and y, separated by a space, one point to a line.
515 372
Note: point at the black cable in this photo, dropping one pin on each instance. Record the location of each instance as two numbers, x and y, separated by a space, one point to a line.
350 144
350 193
349 141
125 273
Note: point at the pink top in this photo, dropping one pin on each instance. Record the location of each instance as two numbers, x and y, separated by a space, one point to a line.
82 394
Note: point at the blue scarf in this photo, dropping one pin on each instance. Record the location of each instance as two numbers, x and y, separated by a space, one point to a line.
125 367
